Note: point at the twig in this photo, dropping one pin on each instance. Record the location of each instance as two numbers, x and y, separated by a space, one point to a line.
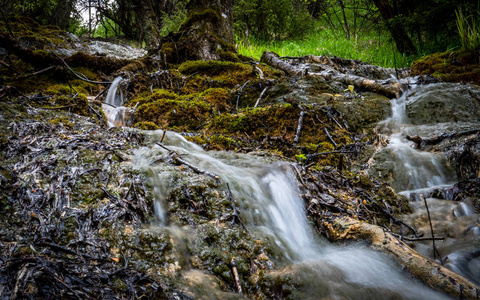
330 137
299 127
423 239
79 75
435 250
34 73
240 93
69 251
176 157
60 107
101 93
8 66
163 136
233 263
260 97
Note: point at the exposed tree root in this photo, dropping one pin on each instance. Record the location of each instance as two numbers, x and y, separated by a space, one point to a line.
426 270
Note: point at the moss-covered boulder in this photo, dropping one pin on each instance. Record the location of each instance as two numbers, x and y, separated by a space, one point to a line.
451 66
444 102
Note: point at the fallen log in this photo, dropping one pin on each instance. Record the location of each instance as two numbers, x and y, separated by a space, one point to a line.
383 87
424 269
272 59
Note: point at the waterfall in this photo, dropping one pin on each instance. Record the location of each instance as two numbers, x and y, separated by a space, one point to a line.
117 115
115 94
270 205
419 172
413 170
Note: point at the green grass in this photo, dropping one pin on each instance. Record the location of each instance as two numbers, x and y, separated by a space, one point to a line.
368 48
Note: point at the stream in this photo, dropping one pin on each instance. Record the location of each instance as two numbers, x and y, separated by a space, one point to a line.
420 174
270 206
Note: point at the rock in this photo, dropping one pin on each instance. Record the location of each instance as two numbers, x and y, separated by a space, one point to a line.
442 103
364 112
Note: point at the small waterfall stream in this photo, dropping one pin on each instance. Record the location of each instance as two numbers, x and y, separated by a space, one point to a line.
418 173
270 205
113 107
268 198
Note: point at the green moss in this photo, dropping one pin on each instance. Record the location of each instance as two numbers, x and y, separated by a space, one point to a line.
146 126
208 15
212 68
452 66
182 114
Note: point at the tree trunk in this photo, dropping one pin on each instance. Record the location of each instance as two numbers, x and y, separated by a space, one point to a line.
206 34
147 24
402 40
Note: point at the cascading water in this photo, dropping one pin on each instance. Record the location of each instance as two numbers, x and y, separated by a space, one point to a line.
413 170
268 198
115 112
418 173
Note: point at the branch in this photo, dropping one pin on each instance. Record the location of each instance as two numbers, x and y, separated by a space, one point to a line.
79 75
426 270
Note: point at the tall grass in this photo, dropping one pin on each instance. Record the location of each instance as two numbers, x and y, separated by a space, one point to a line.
369 47
468 30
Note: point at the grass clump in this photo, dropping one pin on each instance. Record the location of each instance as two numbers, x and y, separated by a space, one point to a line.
369 47
468 30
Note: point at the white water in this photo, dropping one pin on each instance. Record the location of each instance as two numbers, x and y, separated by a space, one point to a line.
413 169
418 173
115 112
268 198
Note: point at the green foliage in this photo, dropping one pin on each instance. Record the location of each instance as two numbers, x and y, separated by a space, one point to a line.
468 30
368 47
271 20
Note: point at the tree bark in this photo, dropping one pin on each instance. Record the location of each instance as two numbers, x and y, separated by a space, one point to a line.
402 40
385 88
426 270
147 24
206 34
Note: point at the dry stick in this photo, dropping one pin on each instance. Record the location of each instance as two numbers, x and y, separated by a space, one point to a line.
235 275
101 93
299 128
330 137
435 250
176 157
422 239
34 73
79 75
240 93
260 97
163 136
8 66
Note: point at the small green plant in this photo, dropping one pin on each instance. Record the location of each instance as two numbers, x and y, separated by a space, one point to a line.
301 157
468 30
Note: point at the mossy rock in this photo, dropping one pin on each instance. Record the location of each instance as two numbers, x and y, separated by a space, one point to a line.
451 66
363 113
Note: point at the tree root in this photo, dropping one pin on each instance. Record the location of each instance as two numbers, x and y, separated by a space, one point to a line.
426 270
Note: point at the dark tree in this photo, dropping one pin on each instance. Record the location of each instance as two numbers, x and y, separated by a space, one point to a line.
402 40
206 34
147 23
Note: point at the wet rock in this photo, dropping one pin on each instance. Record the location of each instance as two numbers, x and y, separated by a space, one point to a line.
364 112
442 103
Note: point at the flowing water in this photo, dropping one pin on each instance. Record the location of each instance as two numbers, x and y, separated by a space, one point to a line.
416 174
268 198
270 206
117 114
